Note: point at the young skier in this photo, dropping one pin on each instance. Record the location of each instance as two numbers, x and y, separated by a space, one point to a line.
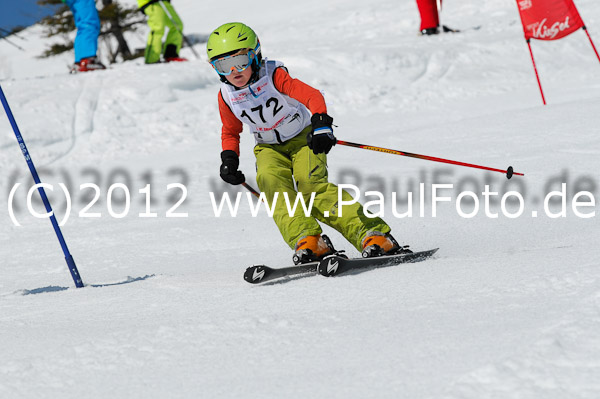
293 134
161 15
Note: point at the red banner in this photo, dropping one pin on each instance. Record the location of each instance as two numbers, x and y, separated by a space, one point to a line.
549 19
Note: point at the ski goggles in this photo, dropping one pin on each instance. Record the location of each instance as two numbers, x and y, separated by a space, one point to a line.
239 62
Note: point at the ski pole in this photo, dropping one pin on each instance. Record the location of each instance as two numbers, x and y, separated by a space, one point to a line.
11 43
185 39
36 178
509 172
9 33
251 189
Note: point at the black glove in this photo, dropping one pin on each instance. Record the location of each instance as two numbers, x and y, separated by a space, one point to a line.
321 138
229 168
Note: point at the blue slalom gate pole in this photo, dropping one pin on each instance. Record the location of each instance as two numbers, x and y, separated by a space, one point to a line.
36 179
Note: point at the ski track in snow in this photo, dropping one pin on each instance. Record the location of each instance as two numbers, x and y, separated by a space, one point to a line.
507 308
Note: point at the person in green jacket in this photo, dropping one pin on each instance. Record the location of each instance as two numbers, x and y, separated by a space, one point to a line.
161 15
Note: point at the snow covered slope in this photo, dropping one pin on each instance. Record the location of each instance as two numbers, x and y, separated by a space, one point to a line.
510 307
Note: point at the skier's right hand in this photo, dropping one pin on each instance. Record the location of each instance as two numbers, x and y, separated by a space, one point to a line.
229 168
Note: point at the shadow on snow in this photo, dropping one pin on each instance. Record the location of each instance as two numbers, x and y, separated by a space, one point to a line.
55 288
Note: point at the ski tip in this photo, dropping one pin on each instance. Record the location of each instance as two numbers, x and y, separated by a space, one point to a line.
428 253
255 274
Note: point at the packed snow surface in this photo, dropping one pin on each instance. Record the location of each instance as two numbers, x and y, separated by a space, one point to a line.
508 308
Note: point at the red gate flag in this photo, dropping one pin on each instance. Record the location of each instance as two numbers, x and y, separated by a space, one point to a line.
549 19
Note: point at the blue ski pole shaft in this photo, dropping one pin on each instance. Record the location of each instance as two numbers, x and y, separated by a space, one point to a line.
36 179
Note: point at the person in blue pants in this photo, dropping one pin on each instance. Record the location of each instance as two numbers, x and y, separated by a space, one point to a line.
87 22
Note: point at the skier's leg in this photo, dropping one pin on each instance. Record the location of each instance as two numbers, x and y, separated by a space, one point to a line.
87 22
429 14
174 38
157 20
310 173
274 175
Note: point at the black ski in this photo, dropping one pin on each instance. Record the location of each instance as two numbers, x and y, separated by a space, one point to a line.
334 265
260 273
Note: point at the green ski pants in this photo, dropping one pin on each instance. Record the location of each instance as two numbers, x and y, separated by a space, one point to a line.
158 20
279 165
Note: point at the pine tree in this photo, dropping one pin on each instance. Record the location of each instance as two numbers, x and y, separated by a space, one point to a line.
115 19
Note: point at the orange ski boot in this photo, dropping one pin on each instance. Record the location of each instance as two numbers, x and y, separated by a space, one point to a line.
312 248
378 244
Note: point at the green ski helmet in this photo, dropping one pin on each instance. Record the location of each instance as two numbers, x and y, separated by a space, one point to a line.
231 37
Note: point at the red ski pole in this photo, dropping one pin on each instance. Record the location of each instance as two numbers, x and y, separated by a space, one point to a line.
251 189
509 172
